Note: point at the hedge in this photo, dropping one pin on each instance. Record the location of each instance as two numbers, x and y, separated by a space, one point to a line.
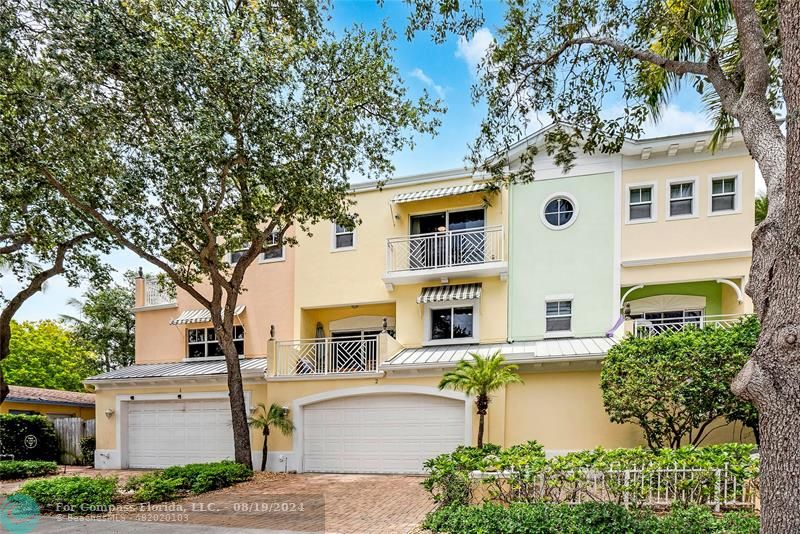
527 476
586 518
173 481
75 495
14 437
12 470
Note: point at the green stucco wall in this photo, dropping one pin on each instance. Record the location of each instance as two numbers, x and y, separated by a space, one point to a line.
711 290
578 260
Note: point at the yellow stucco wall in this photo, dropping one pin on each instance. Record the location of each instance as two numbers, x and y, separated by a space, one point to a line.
46 409
327 278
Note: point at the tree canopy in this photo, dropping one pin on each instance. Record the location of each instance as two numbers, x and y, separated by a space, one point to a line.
45 354
106 322
676 385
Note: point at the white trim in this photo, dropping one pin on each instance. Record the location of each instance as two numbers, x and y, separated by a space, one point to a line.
737 197
667 303
555 196
155 307
653 202
628 292
695 193
333 240
121 415
735 286
688 259
476 311
299 404
562 296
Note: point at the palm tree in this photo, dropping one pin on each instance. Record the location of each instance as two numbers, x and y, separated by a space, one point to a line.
275 417
762 205
480 377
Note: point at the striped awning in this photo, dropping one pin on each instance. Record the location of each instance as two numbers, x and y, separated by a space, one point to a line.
199 316
437 193
446 293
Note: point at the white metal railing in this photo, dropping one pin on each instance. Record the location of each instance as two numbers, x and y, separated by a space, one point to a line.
644 486
330 355
445 249
649 327
155 294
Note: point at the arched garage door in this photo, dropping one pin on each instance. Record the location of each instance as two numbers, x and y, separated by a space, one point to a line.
386 433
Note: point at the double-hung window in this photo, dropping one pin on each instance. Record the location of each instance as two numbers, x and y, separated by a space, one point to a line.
723 194
202 342
640 203
343 238
681 199
452 323
558 316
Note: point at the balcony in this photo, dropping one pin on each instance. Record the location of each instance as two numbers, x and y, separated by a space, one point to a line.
156 295
651 327
438 255
332 356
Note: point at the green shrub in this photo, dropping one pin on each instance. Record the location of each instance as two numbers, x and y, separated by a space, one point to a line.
77 495
11 470
14 429
168 484
88 445
157 489
586 518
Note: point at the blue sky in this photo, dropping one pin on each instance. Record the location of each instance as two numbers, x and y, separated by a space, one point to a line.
445 70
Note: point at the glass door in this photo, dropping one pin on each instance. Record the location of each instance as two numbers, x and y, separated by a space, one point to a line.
467 238
429 250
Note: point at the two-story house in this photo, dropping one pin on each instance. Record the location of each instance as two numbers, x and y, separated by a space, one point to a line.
351 331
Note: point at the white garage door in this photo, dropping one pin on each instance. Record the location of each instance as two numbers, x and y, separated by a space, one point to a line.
167 433
380 433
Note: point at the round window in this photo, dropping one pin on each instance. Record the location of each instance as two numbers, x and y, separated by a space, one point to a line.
559 212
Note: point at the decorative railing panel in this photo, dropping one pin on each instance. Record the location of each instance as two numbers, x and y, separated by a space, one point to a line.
650 327
441 250
325 356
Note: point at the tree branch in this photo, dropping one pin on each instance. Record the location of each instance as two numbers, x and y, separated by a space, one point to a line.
751 45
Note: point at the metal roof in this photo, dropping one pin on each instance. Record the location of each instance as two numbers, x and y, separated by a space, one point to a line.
517 352
446 293
437 193
199 316
250 366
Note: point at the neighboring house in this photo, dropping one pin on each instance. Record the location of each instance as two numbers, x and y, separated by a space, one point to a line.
352 330
52 403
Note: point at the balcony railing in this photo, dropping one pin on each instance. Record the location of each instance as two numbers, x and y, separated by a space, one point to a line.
650 327
325 356
441 250
156 294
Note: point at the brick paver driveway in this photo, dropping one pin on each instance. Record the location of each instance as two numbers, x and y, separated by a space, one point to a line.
345 504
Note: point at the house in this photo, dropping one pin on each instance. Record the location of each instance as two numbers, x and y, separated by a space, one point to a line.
52 403
351 331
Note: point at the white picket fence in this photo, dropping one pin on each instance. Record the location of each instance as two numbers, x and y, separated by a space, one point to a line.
639 487
70 431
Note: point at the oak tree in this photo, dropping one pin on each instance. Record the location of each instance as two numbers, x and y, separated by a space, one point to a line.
231 121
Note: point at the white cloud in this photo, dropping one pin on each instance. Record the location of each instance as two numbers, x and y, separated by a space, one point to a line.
674 120
424 78
473 50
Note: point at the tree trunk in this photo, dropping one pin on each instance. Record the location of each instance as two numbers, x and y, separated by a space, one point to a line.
480 430
482 403
240 426
265 449
771 379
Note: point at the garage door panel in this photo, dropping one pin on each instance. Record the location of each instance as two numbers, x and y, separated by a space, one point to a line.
392 433
165 433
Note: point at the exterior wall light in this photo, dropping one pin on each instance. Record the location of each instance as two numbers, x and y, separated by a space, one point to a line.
109 412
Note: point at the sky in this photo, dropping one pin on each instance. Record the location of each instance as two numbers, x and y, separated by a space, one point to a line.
447 71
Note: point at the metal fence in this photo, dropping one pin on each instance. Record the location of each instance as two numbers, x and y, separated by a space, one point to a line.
641 487
445 249
70 431
649 327
322 356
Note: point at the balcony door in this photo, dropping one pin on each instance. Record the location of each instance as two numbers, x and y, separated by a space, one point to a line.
447 238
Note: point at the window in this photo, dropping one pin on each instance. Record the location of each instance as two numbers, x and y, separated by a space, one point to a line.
235 255
559 212
681 199
203 342
276 252
558 316
640 203
343 238
452 323
723 194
